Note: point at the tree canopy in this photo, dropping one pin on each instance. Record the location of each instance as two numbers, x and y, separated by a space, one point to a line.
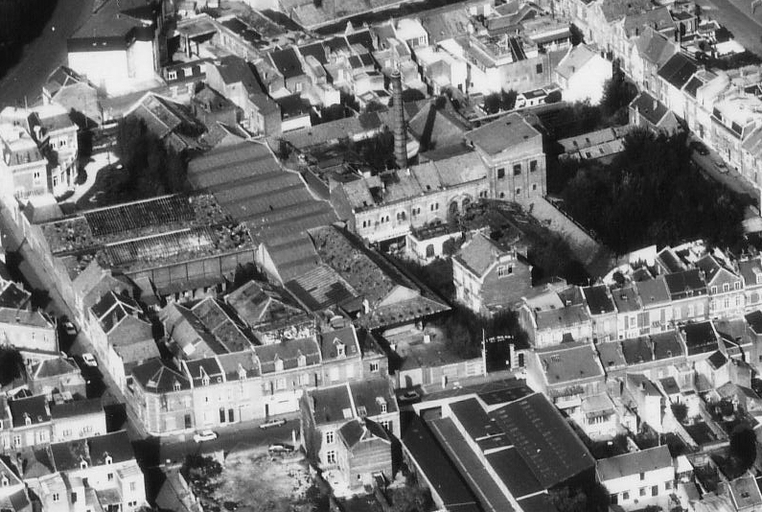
653 193
11 365
150 169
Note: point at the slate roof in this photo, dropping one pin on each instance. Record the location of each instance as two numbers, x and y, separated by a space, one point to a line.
502 134
653 292
678 70
655 47
633 463
35 408
258 303
157 377
76 408
479 254
598 300
754 319
287 351
340 402
199 369
287 62
94 450
219 323
14 297
658 18
687 283
749 270
574 60
329 341
699 338
649 108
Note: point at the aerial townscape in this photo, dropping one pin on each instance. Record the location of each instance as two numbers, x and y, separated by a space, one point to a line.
380 255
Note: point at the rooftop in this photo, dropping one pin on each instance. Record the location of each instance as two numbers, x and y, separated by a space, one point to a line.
502 134
598 300
633 463
568 364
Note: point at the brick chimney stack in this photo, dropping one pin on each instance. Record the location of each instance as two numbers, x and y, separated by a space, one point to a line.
398 117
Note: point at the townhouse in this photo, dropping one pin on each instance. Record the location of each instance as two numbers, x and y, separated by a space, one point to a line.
725 286
638 479
325 413
602 311
550 320
488 278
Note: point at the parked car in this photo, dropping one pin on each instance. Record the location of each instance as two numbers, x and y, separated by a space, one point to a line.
272 424
721 165
69 328
409 396
280 448
204 435
89 359
699 148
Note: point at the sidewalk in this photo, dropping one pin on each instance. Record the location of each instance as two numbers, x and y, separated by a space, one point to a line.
36 276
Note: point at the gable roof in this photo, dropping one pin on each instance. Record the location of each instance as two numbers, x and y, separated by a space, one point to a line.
655 47
598 300
502 134
329 342
54 367
479 254
653 110
574 60
633 463
258 303
614 10
155 376
287 62
678 70
34 408
288 352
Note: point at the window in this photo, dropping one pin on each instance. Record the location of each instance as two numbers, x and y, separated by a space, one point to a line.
205 380
340 350
37 176
17 441
172 75
655 490
222 415
83 464
329 437
108 460
642 476
517 170
625 496
737 285
298 87
643 491
278 364
534 186
725 287
132 486
280 384
539 68
73 497
501 173
330 457
373 367
387 424
302 360
401 216
713 290
667 485
518 191
56 497
533 166
110 477
504 270
434 206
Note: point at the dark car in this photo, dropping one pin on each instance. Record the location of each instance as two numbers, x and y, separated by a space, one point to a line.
699 148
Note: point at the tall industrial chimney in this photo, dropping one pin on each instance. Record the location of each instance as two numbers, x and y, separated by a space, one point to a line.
398 116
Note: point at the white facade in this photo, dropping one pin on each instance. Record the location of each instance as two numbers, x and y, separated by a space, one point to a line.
639 479
116 70
585 83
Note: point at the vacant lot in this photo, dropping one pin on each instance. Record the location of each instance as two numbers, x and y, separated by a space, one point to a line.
256 481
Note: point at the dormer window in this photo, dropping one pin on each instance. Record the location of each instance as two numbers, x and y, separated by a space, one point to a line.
27 419
83 464
108 460
302 360
176 386
241 372
205 380
278 364
340 349
382 404
362 411
4 481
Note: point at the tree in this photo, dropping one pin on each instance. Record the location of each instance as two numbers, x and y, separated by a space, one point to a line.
617 94
492 103
11 364
743 447
568 500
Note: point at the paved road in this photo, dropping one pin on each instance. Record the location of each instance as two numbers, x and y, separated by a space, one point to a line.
736 16
232 439
44 54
